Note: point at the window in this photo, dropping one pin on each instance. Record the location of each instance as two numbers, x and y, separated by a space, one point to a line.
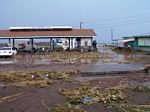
144 42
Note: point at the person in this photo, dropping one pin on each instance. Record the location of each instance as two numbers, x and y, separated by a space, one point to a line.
94 45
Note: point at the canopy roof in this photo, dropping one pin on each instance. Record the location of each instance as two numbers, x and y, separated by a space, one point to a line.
39 33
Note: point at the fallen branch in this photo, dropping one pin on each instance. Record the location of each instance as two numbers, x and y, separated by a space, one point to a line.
45 106
13 97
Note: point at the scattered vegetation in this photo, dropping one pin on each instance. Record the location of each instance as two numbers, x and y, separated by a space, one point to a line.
75 57
34 78
90 95
114 95
133 108
70 108
59 108
37 84
78 55
142 88
80 95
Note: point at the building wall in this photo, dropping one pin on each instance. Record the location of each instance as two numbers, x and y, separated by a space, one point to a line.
142 44
85 41
143 41
144 49
73 42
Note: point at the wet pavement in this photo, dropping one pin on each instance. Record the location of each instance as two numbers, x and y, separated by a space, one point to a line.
112 67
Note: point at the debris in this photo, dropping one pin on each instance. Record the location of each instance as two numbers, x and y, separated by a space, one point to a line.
35 75
114 95
132 108
45 106
74 57
69 108
34 78
82 95
89 100
142 88
60 108
13 97
90 95
38 84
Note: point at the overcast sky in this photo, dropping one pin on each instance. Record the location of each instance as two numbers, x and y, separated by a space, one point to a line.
125 17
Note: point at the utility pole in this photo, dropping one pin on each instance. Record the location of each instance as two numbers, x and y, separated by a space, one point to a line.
112 35
81 25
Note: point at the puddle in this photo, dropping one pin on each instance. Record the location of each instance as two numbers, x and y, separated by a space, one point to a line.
7 62
147 84
2 85
111 67
82 79
109 60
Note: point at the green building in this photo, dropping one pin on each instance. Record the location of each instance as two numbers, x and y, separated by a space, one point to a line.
141 43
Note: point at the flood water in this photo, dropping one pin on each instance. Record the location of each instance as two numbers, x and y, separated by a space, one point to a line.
118 62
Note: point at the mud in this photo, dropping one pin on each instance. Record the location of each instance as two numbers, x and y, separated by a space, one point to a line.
29 99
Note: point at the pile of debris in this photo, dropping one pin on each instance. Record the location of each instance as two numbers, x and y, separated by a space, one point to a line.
34 78
89 95
112 97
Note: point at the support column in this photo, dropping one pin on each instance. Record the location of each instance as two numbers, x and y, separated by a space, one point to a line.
92 47
50 43
32 44
9 41
91 42
53 45
13 42
69 44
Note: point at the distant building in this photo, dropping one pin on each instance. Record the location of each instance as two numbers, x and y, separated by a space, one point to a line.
141 43
118 43
70 37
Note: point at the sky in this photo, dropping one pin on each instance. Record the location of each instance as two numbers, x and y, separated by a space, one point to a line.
123 17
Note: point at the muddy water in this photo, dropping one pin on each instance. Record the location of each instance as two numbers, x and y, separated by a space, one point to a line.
126 57
119 62
92 78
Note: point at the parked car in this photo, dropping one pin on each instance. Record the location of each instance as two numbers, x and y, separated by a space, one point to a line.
7 51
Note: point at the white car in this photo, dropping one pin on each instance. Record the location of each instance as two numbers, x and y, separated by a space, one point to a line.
7 51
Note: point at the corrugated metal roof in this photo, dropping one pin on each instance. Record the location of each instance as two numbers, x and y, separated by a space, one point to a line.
72 33
142 36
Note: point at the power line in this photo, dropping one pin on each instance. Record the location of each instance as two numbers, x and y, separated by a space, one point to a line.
121 21
120 18
118 24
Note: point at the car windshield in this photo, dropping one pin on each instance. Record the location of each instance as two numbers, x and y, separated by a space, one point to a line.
4 48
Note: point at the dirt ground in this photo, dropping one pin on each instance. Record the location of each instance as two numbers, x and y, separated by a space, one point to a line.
32 98
135 86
